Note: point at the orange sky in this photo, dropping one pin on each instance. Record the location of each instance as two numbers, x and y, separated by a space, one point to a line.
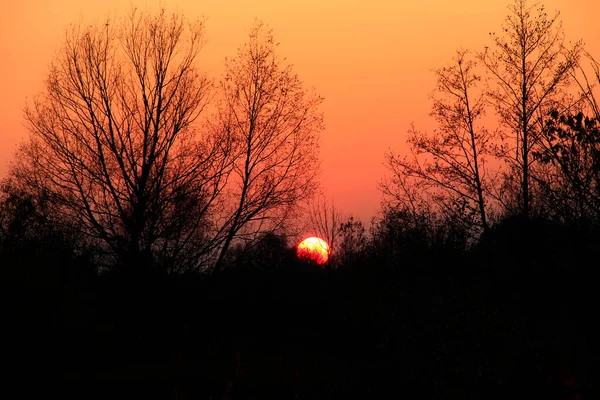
371 60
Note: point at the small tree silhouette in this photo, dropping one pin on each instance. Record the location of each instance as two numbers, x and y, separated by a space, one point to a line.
574 151
353 241
324 221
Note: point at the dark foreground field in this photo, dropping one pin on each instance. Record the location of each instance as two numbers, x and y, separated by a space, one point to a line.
496 323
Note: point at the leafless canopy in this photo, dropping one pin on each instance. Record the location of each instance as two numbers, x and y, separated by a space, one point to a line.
325 221
274 123
448 166
529 72
586 75
112 138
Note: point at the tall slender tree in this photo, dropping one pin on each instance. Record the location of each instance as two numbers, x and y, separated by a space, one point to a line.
450 163
528 69
274 123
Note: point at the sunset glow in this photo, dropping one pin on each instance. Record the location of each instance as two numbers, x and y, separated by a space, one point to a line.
316 198
372 62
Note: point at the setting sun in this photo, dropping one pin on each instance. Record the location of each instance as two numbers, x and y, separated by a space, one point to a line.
313 249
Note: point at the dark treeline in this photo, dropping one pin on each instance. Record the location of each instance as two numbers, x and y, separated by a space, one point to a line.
145 228
515 310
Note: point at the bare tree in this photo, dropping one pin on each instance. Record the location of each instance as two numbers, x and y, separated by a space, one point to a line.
325 221
529 70
587 79
112 139
352 241
450 164
275 124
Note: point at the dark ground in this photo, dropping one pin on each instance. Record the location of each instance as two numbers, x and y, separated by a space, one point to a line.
505 321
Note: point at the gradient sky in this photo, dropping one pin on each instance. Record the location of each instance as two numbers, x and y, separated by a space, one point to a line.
371 60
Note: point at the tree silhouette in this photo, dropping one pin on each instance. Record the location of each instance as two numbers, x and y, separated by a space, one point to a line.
113 144
455 174
352 243
528 72
34 247
574 150
274 123
587 81
324 220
